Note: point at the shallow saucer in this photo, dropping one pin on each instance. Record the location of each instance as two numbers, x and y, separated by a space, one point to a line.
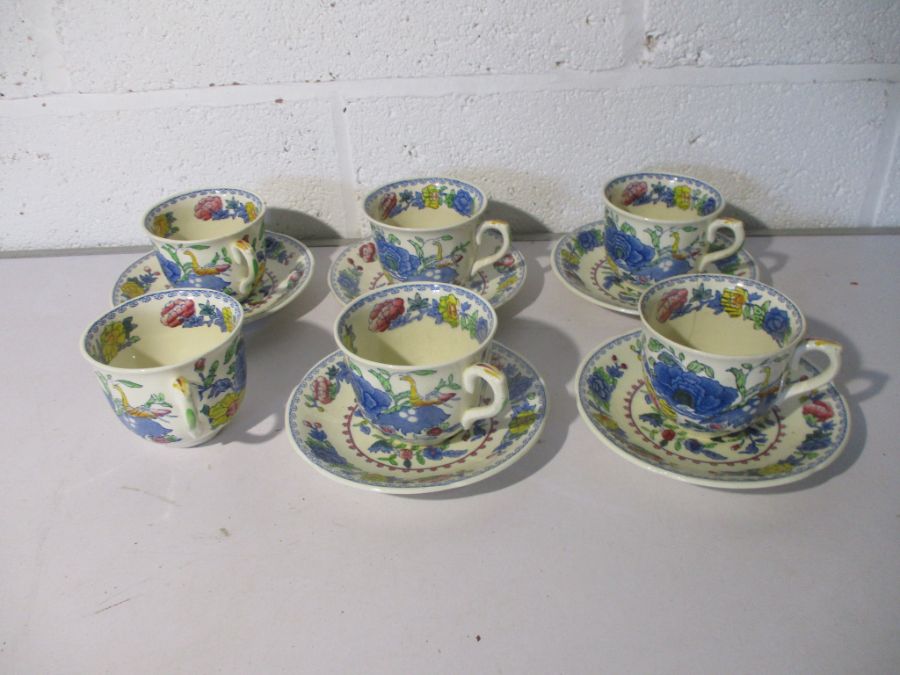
328 430
792 442
289 267
357 270
579 261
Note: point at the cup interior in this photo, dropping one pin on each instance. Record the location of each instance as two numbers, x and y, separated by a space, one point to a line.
663 196
723 315
424 203
162 329
416 324
204 214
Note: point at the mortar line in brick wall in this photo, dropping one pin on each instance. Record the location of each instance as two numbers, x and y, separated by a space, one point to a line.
627 77
887 148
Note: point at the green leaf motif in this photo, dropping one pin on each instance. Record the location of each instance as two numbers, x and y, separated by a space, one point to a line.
654 345
740 379
697 367
129 383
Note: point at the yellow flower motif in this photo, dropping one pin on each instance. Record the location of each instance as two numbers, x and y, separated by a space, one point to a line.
181 385
775 469
521 422
449 308
225 409
251 210
111 339
161 225
683 197
570 257
431 196
733 300
228 317
132 289
606 421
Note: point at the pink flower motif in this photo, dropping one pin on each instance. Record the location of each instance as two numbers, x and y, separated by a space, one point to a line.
818 409
207 206
321 390
385 312
671 302
199 364
175 312
387 204
367 251
507 261
633 191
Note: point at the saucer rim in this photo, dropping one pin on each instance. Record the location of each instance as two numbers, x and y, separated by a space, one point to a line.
694 480
340 255
622 309
417 490
249 315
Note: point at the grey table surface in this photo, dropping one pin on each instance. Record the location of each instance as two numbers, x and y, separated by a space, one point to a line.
121 557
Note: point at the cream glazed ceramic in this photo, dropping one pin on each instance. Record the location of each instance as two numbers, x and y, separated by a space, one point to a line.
212 238
415 356
790 443
429 229
356 269
327 428
718 351
659 225
171 363
289 269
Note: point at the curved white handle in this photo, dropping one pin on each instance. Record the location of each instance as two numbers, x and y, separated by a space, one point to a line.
187 406
831 349
737 229
243 251
497 382
498 226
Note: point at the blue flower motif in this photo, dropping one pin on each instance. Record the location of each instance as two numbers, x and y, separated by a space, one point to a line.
219 387
690 393
626 250
481 329
397 261
707 207
588 240
349 282
463 203
693 445
169 268
373 401
240 368
600 386
777 323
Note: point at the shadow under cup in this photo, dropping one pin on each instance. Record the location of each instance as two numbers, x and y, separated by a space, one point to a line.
415 355
171 363
717 351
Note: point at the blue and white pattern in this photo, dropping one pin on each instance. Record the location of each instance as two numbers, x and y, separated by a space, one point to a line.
167 205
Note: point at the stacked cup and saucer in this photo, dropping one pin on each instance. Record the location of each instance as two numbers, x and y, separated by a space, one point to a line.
714 389
418 396
170 355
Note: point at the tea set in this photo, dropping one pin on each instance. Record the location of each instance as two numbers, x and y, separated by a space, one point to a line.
418 396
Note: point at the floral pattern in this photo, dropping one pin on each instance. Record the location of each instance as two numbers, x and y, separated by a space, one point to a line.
431 196
183 312
148 419
116 336
684 197
647 263
401 265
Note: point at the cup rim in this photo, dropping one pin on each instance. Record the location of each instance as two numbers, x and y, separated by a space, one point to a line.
361 300
729 278
370 196
174 197
677 176
146 298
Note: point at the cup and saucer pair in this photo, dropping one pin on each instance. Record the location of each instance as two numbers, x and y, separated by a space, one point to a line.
289 267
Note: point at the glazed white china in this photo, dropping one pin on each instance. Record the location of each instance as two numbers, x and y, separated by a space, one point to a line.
327 428
415 356
171 363
210 238
719 351
289 268
430 229
580 263
356 269
659 225
793 441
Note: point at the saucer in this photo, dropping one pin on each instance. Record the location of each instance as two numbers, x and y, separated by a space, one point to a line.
790 443
579 261
357 270
289 266
328 430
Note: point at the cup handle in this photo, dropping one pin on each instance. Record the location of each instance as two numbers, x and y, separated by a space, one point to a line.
831 349
243 251
499 226
497 382
187 406
737 229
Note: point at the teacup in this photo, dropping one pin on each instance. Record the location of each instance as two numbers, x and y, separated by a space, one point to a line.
659 225
718 351
429 229
415 357
212 238
171 363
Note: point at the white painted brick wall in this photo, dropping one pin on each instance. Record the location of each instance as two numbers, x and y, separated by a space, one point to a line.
792 109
